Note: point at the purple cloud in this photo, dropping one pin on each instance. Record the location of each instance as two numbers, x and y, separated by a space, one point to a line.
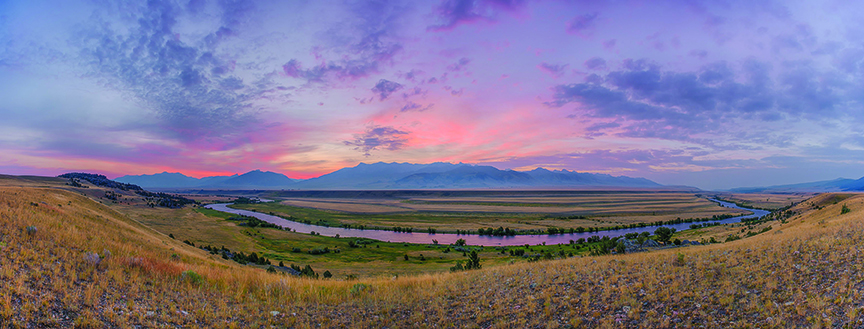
185 84
595 63
386 87
677 105
459 65
378 138
453 13
414 107
556 70
582 25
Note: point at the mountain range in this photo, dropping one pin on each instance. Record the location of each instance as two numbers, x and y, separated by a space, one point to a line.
255 179
382 175
836 185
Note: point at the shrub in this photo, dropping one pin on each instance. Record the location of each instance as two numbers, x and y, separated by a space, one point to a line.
307 271
191 277
31 230
679 260
359 288
327 274
844 209
460 242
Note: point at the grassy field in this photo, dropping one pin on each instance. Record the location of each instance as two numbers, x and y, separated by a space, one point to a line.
524 211
769 201
88 264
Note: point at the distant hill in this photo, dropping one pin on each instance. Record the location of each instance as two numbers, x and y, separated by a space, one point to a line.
836 185
255 179
439 175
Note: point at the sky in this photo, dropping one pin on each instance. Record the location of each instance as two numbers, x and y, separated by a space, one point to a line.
712 94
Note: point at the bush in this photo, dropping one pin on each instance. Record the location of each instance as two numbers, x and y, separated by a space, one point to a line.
844 209
359 288
307 271
679 260
31 230
460 242
327 274
191 277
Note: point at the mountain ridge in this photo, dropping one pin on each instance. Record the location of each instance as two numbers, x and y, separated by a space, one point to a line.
394 175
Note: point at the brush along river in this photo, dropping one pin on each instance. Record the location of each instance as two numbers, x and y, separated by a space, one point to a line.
471 239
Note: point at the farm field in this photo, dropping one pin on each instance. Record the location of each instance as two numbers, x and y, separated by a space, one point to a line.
769 201
526 210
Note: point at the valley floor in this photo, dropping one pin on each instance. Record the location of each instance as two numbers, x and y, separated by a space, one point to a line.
84 264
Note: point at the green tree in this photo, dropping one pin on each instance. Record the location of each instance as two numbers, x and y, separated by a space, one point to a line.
473 261
664 234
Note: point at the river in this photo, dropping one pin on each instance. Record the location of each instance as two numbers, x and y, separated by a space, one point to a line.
471 239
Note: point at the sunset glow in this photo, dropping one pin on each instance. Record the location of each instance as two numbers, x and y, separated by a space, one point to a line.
707 94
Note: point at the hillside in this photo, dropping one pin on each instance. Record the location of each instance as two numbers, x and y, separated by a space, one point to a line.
804 272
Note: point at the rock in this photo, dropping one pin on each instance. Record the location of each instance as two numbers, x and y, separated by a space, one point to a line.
92 258
650 244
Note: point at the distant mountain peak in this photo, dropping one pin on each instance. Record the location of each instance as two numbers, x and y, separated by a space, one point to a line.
398 175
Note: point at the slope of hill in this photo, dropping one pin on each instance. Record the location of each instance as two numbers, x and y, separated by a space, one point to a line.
87 265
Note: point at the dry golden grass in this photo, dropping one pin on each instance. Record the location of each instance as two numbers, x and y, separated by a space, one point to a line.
766 200
805 273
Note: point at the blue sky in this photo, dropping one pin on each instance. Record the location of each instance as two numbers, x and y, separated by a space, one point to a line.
713 94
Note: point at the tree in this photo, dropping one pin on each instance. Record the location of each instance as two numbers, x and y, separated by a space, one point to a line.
664 234
473 261
620 247
327 274
460 242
